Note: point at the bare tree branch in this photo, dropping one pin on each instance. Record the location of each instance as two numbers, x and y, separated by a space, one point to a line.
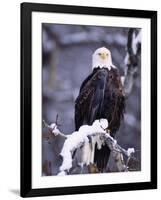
53 129
131 59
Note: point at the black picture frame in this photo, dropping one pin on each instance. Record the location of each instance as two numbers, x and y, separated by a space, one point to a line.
26 104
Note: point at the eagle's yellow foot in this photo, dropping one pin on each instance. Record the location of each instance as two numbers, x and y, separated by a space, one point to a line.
92 168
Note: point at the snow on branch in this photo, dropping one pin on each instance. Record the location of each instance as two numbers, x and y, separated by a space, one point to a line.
77 139
131 59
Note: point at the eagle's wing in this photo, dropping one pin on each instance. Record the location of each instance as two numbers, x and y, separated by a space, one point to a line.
88 105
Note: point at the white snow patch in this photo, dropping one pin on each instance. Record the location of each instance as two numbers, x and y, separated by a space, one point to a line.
55 129
130 151
62 173
122 79
104 123
115 142
126 60
77 138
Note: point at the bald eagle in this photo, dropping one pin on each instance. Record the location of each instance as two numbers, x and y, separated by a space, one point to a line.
101 95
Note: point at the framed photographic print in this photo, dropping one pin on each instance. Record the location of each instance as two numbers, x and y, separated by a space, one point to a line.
88 99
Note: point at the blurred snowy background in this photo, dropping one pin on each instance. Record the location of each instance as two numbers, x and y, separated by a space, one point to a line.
66 61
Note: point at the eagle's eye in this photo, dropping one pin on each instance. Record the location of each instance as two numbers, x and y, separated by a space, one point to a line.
99 54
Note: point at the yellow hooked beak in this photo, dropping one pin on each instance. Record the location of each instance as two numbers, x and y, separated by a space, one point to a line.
103 56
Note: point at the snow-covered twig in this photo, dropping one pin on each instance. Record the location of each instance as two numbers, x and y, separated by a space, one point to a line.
53 129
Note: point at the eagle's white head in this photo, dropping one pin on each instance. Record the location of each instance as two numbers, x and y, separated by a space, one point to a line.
102 58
